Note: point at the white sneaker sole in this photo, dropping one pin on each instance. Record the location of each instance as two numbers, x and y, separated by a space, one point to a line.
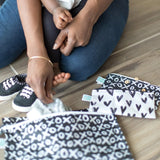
5 98
20 108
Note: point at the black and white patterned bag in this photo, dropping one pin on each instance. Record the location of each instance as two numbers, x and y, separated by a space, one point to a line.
117 81
123 102
69 135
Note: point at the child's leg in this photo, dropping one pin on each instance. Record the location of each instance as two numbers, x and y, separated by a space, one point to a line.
12 40
50 35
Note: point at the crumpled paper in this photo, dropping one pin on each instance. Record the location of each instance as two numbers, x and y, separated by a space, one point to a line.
39 109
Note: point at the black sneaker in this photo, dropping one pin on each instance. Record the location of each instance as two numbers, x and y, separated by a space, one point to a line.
24 99
10 87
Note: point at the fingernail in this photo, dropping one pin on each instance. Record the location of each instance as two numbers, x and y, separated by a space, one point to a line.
55 46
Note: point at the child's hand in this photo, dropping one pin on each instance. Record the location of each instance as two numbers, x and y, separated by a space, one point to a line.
61 17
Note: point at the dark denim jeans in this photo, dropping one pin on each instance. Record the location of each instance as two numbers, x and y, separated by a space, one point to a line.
83 61
1 2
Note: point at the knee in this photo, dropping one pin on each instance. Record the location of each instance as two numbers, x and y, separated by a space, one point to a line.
79 70
6 59
4 62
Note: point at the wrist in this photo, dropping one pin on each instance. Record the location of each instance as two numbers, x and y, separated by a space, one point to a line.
37 50
93 9
41 58
90 14
84 16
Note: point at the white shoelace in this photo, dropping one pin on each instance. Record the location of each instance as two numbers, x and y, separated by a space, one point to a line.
26 92
8 83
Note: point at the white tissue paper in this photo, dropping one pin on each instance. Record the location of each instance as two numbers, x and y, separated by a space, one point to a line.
39 109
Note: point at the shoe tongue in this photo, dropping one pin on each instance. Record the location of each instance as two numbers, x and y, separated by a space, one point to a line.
20 78
14 78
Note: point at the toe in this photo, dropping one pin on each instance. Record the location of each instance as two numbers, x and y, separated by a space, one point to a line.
67 76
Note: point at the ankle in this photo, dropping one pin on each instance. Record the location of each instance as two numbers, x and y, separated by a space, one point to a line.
56 68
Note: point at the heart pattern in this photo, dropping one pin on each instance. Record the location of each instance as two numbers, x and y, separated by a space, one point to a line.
123 109
93 103
119 98
100 98
132 93
123 102
138 107
118 81
113 110
144 115
129 102
95 109
107 103
144 99
151 110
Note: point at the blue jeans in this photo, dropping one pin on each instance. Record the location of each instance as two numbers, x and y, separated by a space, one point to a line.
83 61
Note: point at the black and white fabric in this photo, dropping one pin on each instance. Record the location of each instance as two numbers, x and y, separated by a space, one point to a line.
117 81
71 136
12 120
125 103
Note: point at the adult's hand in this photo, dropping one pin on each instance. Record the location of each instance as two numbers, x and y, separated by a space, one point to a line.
79 31
40 78
76 34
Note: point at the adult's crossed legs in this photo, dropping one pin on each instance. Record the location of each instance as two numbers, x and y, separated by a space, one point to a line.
85 61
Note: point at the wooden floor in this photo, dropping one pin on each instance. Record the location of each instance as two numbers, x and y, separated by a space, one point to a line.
136 55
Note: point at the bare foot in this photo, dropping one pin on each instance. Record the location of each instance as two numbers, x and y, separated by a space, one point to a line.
61 78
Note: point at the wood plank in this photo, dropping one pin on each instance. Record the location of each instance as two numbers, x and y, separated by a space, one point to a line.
116 60
6 73
6 110
143 22
20 65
